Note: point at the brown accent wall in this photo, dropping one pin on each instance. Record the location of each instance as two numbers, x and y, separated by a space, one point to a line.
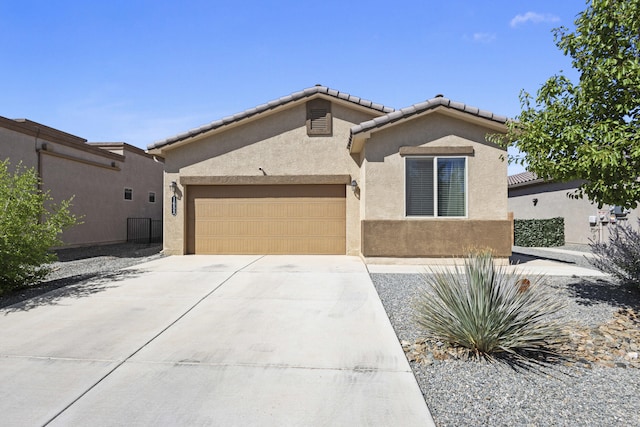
434 238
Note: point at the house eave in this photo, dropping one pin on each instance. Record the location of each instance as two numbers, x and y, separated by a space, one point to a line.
264 110
441 106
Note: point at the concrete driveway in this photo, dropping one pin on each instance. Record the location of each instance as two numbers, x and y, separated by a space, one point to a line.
209 340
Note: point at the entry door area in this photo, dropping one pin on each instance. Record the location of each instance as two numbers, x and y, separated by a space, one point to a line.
266 219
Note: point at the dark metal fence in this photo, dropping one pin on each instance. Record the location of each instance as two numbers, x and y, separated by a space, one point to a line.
144 230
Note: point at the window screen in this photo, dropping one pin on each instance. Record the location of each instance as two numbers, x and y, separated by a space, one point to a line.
451 187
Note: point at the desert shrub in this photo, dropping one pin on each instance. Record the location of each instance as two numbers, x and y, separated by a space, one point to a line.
620 255
29 226
490 311
538 232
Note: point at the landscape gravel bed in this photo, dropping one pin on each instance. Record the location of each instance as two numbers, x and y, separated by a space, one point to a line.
77 265
471 392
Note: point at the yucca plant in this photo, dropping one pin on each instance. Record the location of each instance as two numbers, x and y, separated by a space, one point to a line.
490 311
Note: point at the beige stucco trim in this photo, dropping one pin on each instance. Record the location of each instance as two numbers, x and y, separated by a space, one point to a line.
265 179
437 151
48 134
84 161
27 127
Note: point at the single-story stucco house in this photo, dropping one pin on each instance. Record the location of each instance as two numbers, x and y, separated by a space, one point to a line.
324 172
109 182
531 197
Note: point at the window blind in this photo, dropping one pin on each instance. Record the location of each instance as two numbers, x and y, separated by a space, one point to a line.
419 182
436 187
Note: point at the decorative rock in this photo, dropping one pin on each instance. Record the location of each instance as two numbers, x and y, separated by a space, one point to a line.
613 344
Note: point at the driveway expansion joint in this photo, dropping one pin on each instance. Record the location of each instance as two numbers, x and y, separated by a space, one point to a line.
122 362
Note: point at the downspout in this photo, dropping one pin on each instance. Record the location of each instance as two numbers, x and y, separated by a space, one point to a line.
39 159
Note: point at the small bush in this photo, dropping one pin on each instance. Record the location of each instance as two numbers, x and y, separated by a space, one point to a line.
489 311
538 232
620 256
29 226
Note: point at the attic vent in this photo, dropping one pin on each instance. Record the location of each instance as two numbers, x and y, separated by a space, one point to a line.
319 118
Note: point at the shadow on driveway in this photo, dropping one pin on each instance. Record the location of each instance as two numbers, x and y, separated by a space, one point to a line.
51 292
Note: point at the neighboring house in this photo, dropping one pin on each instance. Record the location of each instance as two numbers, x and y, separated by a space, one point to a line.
323 172
108 182
531 197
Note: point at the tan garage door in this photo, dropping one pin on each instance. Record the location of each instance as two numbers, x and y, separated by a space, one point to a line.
266 219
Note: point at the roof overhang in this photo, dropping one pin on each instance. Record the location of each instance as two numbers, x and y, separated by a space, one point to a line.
265 110
363 131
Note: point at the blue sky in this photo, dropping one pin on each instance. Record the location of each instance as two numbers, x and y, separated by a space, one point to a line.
140 71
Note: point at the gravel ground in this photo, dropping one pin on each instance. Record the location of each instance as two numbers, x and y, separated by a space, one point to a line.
478 393
77 265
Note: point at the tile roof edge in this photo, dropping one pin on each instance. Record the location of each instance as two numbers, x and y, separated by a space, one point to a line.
424 106
419 108
295 96
523 178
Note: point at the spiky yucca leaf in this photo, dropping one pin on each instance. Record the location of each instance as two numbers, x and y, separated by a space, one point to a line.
488 310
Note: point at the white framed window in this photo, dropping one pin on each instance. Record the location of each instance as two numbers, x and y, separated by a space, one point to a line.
152 197
128 194
436 186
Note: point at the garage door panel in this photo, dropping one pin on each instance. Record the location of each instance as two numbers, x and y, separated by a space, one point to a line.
278 245
304 219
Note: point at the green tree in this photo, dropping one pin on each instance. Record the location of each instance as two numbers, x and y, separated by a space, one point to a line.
589 130
30 224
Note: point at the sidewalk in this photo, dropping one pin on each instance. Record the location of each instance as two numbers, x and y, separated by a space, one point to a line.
534 261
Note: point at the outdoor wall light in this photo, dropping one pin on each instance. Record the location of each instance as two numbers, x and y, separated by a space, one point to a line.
354 185
173 186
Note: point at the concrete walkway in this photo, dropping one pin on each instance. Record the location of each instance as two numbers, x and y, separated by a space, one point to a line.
209 340
531 265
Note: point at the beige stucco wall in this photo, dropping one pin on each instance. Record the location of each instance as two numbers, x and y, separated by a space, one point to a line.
18 147
553 202
99 193
384 168
277 143
94 178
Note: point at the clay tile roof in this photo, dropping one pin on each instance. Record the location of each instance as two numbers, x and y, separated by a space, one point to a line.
521 179
419 108
305 93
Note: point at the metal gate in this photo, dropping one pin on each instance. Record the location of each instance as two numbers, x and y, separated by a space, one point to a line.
144 230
